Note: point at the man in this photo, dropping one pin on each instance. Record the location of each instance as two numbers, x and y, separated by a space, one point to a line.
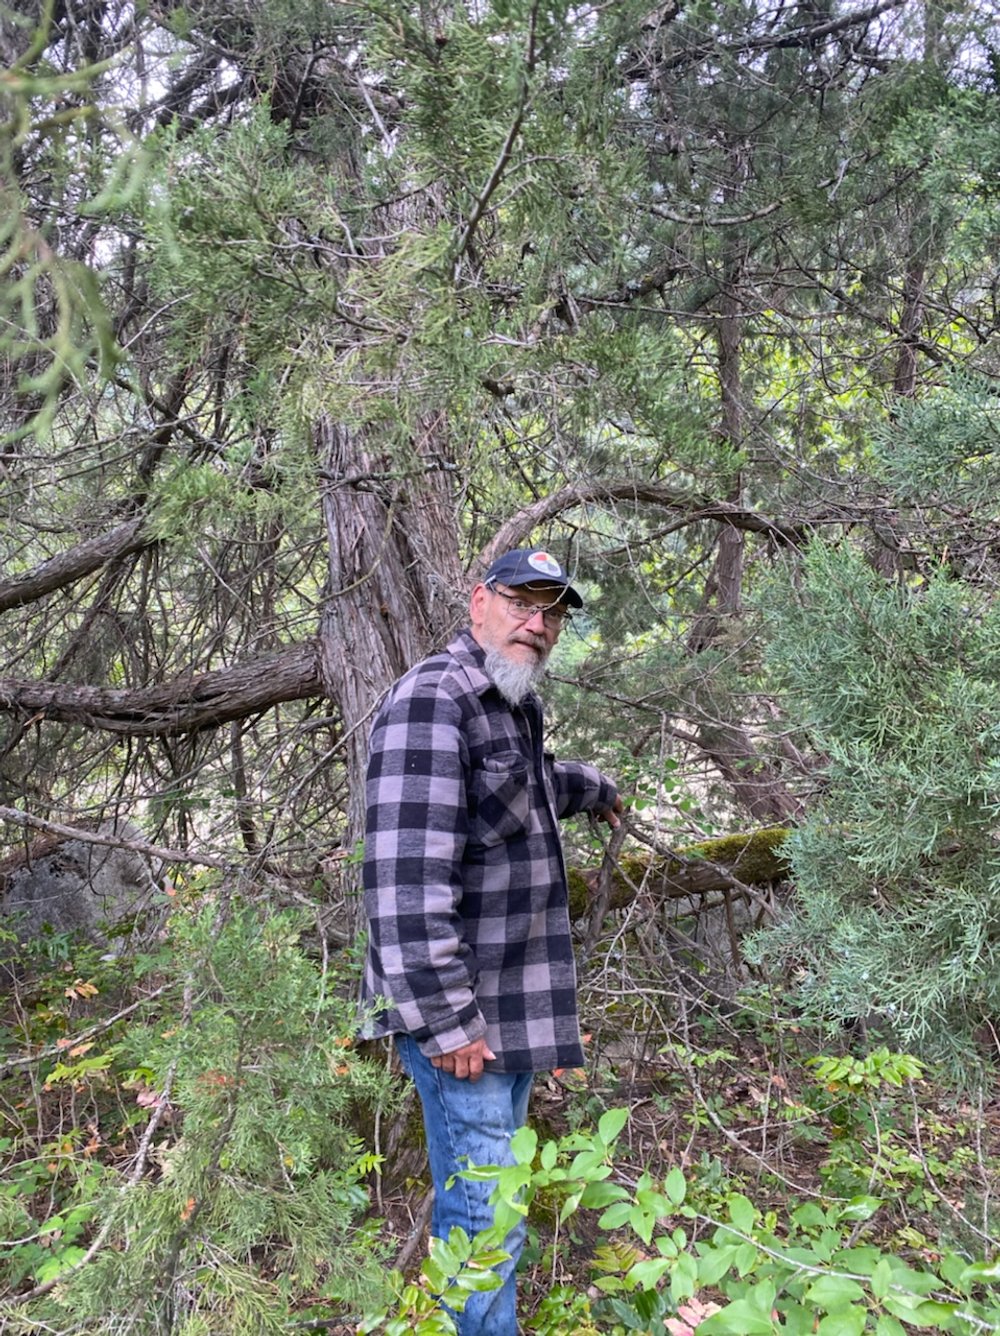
465 890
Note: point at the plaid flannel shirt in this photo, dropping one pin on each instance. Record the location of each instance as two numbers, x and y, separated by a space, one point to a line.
465 884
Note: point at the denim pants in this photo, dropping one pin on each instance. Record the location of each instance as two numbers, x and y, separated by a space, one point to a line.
474 1121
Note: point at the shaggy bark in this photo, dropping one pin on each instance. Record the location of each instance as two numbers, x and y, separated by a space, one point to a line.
395 583
184 705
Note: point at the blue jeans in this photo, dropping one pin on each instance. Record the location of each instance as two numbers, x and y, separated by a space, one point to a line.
472 1120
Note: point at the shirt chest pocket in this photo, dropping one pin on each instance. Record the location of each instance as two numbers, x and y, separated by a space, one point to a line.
501 798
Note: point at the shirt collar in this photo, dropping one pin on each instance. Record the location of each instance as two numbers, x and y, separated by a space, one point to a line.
471 655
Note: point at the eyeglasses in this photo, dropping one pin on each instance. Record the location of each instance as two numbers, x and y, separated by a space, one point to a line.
554 618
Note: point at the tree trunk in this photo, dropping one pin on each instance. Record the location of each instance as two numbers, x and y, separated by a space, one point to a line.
395 582
756 783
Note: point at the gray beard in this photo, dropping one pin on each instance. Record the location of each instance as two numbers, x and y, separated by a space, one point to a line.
512 680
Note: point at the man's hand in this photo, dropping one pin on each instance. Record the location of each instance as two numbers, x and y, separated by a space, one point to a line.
466 1063
610 814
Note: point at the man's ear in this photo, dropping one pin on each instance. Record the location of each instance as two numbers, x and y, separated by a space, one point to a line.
477 605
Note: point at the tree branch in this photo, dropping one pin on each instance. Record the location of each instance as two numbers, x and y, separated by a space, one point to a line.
67 567
26 821
496 175
808 35
188 704
695 508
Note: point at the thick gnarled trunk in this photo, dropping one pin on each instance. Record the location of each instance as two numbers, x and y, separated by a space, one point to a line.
395 581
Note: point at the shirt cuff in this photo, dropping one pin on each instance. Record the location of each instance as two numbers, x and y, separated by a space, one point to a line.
447 1041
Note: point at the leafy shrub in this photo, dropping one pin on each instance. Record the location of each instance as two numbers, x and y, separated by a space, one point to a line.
224 1185
680 1270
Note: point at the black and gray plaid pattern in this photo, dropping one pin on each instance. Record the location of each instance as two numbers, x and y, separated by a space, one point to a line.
465 885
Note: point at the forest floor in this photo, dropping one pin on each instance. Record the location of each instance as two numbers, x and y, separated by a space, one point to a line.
764 1116
742 1104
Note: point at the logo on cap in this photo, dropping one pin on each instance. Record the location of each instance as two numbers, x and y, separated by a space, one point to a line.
541 561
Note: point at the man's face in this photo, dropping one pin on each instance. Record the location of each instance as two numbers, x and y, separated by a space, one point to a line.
497 624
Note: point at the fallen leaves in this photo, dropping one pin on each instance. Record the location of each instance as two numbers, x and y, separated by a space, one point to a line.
81 988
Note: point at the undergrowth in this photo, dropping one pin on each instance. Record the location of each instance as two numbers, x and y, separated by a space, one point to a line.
828 1192
184 1152
180 1145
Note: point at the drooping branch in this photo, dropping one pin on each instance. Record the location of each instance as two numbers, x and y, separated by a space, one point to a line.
187 704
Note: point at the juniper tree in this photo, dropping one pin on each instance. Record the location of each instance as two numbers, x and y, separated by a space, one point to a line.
894 681
389 289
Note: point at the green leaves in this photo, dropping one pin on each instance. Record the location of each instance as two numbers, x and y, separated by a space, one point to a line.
812 1278
456 1268
741 1212
610 1126
750 1314
640 1211
55 327
869 1072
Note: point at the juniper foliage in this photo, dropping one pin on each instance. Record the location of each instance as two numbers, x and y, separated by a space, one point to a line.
251 1204
896 867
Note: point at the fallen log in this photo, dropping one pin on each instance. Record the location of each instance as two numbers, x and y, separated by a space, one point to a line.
753 859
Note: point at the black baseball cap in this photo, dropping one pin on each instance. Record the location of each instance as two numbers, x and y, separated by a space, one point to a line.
532 565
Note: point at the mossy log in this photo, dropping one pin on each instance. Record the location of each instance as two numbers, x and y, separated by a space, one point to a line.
754 858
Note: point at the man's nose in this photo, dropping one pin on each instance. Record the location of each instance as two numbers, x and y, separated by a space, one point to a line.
537 613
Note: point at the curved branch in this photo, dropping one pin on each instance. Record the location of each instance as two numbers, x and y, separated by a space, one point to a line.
704 220
695 510
188 704
67 567
809 36
805 36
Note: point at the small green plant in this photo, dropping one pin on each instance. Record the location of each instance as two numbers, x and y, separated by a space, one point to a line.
669 1266
560 1310
873 1072
219 1181
456 1268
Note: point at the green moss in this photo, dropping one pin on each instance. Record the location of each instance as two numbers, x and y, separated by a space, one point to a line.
755 858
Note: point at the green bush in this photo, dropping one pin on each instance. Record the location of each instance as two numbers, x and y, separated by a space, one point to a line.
241 1197
896 873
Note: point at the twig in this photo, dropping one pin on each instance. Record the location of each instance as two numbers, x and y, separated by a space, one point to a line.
605 885
989 1239
54 1050
415 1237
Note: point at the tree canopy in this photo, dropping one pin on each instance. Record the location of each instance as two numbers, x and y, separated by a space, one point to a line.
309 310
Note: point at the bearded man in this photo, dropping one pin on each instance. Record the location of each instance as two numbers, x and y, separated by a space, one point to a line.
469 944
